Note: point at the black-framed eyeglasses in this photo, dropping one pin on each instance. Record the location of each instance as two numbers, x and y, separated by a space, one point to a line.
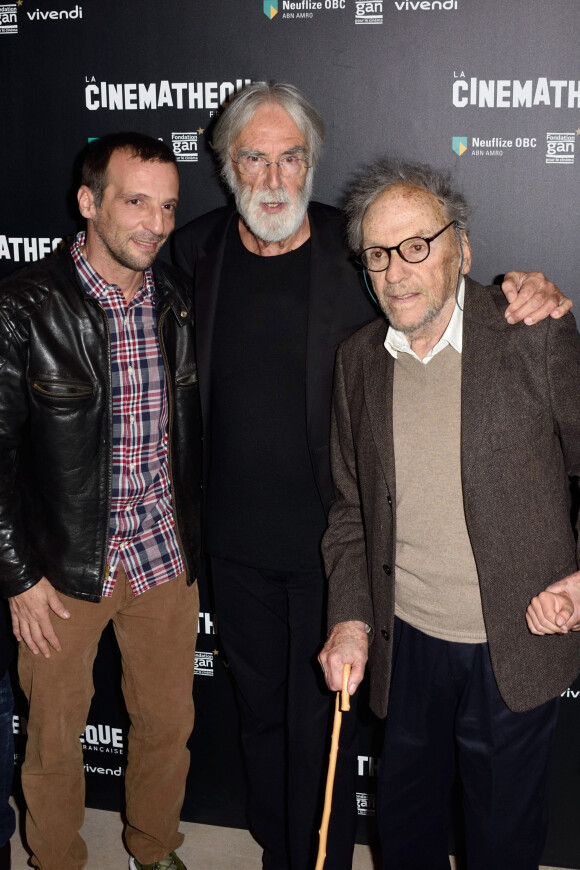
413 250
255 164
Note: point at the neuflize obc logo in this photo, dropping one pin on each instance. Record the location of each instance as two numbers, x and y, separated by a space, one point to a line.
459 145
270 8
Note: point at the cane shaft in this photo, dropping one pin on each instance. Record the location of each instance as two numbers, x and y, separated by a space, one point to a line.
345 704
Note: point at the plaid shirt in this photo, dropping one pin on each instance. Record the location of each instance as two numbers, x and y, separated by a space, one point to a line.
142 530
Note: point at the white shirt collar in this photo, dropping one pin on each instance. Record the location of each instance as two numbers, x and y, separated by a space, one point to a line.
396 342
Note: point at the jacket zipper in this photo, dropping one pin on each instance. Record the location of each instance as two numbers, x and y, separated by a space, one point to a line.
110 455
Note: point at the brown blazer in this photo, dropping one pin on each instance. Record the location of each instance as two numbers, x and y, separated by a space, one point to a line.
520 440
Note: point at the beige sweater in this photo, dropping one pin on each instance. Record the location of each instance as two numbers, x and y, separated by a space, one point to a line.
437 587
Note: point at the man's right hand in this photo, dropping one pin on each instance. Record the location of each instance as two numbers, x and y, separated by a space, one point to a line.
347 644
31 621
556 610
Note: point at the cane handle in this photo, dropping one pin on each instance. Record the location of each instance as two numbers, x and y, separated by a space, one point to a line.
345 698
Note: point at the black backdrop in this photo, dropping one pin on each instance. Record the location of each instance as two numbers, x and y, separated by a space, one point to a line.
488 88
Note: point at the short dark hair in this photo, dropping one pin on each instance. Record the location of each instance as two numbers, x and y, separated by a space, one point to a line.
98 154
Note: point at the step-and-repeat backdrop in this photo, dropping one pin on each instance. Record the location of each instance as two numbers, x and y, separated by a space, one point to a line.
488 88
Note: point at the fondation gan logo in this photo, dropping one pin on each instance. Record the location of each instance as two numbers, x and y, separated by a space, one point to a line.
204 664
368 12
270 8
185 146
459 145
9 18
365 803
560 148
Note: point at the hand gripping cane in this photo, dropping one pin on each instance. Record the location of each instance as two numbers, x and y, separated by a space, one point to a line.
340 705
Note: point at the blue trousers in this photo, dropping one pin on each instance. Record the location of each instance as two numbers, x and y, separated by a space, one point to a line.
7 819
446 716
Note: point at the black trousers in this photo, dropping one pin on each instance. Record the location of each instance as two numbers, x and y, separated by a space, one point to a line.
272 625
446 715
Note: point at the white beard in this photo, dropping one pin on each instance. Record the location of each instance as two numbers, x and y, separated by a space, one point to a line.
273 227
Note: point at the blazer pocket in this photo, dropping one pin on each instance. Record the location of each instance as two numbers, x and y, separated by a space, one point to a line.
523 431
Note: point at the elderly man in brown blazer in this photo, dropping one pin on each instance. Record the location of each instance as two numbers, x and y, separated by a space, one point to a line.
453 439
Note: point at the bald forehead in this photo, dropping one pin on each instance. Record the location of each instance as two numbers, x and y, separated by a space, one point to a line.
412 197
400 212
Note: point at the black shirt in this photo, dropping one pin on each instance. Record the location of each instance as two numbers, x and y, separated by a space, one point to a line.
263 506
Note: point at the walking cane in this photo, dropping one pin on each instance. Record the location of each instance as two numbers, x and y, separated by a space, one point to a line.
342 704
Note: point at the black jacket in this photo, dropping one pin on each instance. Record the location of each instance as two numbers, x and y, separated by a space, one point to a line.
337 306
56 426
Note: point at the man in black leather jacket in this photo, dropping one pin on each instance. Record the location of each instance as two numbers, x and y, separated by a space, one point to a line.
99 499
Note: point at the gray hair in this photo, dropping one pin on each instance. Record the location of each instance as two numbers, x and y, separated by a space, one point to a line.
242 108
384 174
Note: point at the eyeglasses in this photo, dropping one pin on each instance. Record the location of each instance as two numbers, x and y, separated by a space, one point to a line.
254 164
413 250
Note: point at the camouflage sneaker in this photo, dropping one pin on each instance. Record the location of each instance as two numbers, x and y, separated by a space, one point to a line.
172 862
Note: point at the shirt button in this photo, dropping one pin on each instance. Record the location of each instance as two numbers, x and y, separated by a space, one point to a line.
385 633
132 466
132 418
131 369
183 313
387 570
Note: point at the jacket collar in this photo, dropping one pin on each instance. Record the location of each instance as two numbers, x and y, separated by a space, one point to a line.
172 292
379 367
169 289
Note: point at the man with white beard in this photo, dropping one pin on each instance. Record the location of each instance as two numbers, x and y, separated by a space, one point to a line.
275 293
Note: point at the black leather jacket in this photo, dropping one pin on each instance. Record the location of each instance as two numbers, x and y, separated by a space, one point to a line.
56 426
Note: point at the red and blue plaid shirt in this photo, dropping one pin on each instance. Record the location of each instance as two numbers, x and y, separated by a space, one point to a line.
142 529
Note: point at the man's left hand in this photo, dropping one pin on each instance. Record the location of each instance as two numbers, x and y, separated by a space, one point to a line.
556 610
532 298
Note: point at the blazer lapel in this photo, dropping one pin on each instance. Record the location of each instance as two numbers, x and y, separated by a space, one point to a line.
378 367
483 347
331 319
206 288
321 318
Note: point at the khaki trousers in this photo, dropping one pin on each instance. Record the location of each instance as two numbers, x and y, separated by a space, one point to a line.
156 632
